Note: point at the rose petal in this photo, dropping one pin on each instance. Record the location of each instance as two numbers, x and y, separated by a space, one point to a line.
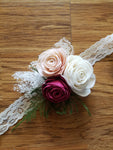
82 93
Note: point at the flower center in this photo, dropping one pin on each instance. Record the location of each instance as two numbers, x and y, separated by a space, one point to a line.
51 61
82 74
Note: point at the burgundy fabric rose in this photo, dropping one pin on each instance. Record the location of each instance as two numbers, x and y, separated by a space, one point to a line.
55 89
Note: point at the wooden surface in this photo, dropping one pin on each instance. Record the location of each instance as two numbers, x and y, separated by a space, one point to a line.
29 27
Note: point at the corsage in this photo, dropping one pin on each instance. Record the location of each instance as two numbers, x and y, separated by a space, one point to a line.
56 80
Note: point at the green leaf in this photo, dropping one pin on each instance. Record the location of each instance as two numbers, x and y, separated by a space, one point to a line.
71 109
59 113
23 119
35 90
86 108
84 105
33 68
64 110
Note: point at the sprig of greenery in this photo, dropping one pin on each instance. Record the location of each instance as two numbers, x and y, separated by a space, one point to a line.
39 103
69 106
33 68
83 104
27 117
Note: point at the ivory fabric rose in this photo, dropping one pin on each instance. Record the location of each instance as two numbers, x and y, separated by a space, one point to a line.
52 62
79 75
55 89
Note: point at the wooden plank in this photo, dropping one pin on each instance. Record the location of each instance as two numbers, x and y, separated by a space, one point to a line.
29 27
90 21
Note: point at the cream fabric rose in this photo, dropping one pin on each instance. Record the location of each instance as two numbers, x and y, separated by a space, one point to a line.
79 75
51 62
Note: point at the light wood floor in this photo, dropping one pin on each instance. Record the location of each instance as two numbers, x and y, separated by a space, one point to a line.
29 27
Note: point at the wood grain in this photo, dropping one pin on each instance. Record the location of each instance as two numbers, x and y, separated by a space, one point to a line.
29 27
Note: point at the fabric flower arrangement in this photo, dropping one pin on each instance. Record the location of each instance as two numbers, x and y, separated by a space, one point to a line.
61 75
77 72
56 82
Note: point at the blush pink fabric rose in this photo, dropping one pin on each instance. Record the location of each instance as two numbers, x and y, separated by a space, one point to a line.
55 89
51 62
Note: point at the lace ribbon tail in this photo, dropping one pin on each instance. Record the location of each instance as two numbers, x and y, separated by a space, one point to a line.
66 45
99 50
13 113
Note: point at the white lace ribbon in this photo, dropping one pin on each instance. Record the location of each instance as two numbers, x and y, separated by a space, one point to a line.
13 113
99 50
16 111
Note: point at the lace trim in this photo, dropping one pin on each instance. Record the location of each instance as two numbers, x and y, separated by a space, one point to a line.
66 45
27 81
99 50
13 113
